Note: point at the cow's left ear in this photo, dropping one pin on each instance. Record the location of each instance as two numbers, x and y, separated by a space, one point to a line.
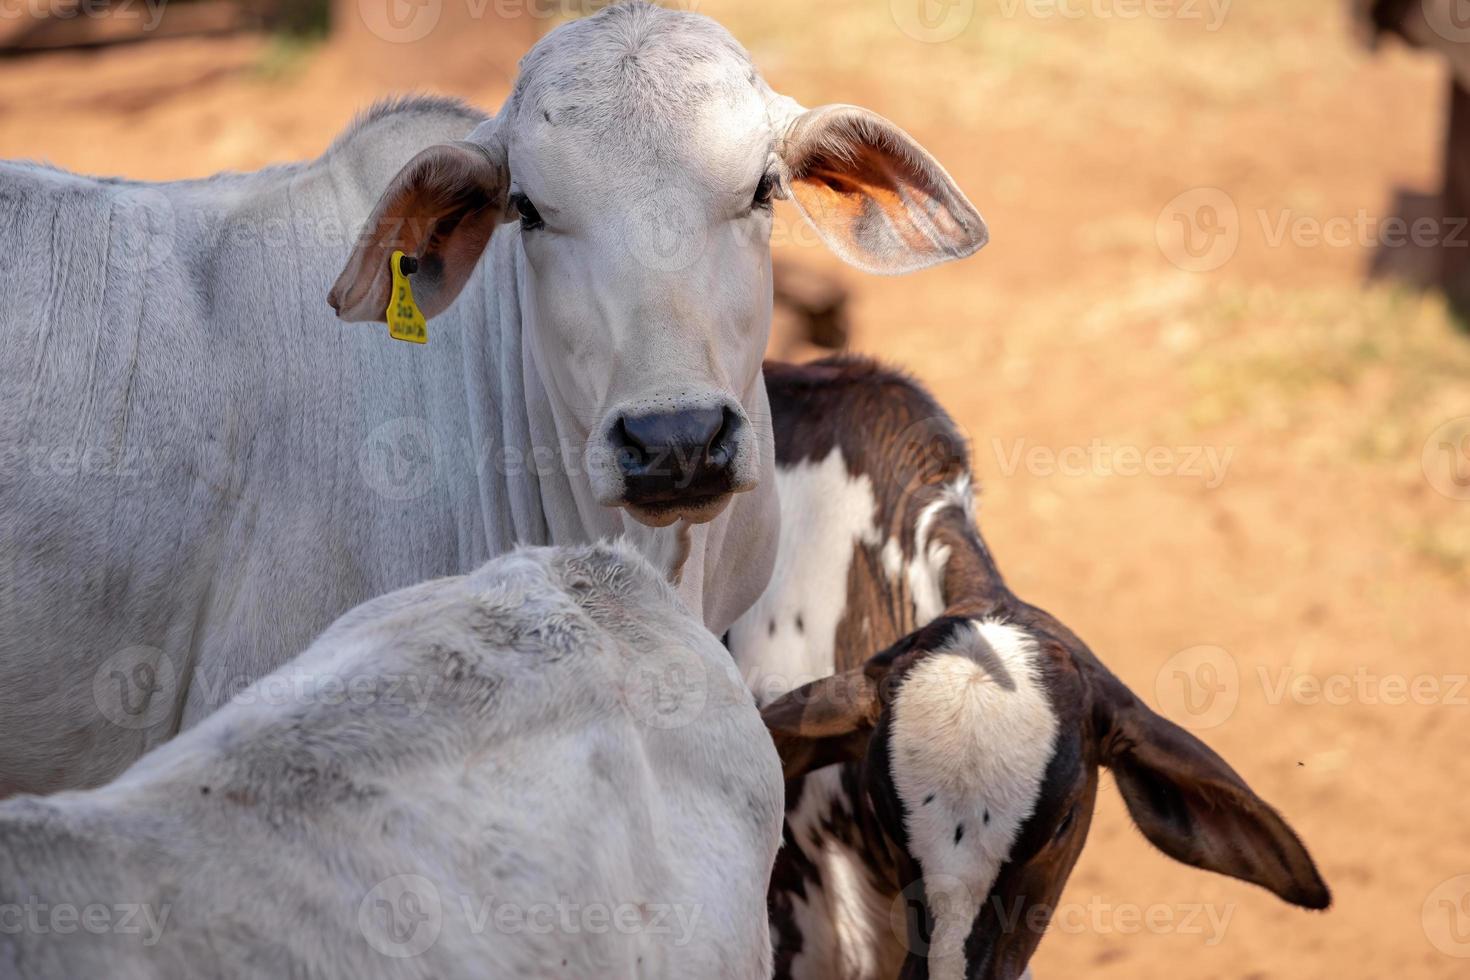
441 208
823 722
1192 806
877 198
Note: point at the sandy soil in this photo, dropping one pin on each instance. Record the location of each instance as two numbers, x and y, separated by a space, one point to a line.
1325 546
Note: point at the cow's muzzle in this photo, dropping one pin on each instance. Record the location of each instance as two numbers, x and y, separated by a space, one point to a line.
680 464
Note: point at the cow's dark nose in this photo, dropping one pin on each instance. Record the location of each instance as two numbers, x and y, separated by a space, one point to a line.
670 458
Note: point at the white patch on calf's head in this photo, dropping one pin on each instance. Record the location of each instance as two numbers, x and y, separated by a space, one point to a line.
924 573
926 579
973 732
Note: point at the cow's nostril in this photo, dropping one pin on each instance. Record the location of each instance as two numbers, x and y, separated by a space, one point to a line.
720 450
626 440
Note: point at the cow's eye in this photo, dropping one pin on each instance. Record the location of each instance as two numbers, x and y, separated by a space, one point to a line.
530 217
764 191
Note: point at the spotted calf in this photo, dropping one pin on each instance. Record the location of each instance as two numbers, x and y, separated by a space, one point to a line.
941 791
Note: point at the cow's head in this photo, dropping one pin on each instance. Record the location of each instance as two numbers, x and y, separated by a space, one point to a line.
635 164
979 743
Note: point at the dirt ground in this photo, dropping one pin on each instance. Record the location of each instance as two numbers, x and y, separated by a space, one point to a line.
1228 462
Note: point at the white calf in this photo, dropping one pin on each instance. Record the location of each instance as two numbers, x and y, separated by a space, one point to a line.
546 767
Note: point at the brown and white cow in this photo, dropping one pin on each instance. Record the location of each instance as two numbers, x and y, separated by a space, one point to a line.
969 746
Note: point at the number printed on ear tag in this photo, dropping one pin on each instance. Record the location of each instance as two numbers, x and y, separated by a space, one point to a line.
405 319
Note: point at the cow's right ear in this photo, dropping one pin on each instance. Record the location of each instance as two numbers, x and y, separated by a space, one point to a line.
878 199
441 208
824 722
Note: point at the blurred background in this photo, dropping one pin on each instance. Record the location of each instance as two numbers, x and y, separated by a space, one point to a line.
1219 403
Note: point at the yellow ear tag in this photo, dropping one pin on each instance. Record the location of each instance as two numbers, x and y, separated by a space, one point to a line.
405 319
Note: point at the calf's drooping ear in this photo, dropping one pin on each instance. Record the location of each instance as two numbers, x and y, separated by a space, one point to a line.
441 208
824 722
1194 807
876 197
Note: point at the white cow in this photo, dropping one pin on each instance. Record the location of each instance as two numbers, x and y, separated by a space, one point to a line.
200 468
544 768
